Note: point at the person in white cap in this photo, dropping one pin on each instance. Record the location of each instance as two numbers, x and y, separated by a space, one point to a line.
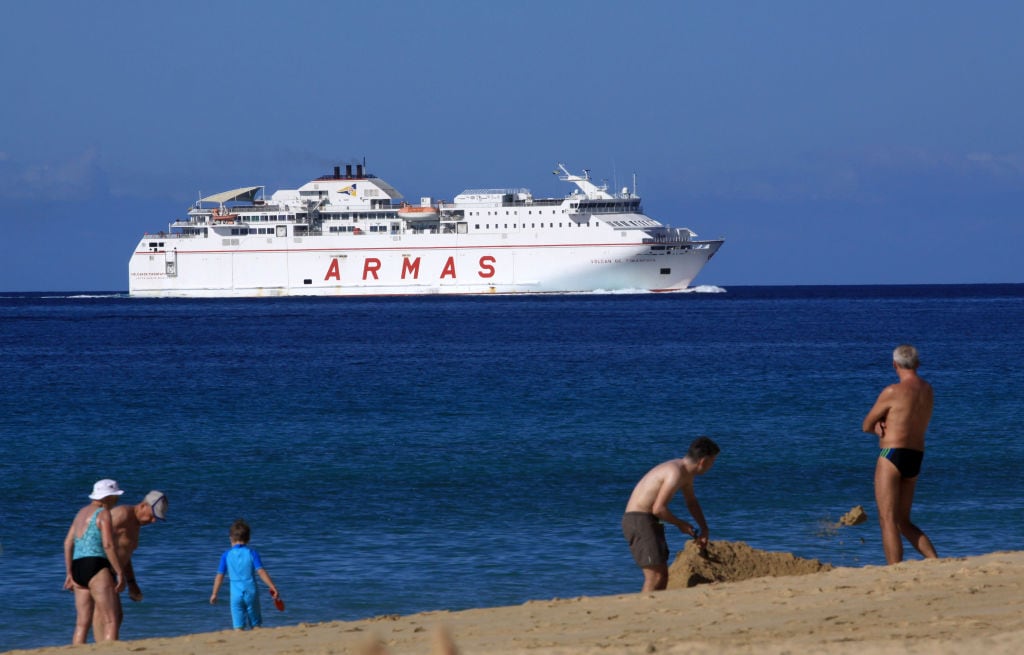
91 563
126 521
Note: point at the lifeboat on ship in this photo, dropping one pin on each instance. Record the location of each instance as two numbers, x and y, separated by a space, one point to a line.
411 212
225 216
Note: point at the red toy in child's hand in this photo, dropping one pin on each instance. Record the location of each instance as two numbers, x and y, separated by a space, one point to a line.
278 603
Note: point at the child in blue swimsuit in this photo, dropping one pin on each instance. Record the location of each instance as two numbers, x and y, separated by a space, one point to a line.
242 564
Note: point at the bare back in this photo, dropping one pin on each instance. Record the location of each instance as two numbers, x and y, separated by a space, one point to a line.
659 484
902 412
81 521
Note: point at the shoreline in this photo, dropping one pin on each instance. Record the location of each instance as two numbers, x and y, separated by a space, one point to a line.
921 606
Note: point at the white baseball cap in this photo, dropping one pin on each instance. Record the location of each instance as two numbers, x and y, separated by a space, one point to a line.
158 501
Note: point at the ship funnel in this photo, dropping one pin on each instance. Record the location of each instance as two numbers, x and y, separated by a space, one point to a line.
337 172
359 170
348 170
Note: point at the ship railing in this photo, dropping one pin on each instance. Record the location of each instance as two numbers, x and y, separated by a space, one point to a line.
670 235
534 202
167 235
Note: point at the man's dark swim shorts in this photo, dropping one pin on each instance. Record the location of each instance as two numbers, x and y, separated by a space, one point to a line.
646 537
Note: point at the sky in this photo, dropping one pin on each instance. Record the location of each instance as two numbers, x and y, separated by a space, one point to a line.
837 142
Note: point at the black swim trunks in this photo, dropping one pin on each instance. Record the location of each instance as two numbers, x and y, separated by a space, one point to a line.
84 569
906 460
646 537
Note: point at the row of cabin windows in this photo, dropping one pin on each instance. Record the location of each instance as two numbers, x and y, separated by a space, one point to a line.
263 218
327 216
340 216
487 226
515 226
607 207
628 223
529 212
242 231
353 228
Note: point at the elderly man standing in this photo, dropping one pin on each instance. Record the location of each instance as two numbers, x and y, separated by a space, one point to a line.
127 520
900 418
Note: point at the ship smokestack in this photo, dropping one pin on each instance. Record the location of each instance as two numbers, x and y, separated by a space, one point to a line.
337 172
359 170
348 170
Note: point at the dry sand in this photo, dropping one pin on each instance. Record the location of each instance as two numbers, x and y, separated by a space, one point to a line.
937 606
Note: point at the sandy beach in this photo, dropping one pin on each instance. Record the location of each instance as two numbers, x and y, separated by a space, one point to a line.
955 605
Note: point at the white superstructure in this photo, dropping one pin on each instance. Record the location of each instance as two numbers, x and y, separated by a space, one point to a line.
350 234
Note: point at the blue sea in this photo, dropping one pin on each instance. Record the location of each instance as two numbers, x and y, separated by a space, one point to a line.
408 454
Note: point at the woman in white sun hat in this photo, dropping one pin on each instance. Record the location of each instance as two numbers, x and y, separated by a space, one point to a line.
92 563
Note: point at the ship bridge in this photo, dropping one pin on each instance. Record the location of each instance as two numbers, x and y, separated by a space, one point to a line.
346 191
490 197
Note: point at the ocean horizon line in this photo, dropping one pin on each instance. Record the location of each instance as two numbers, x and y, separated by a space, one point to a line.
68 293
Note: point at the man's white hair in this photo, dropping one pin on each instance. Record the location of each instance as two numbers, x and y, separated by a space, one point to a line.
905 356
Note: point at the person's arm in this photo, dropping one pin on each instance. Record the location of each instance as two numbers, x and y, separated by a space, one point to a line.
660 508
69 552
698 514
134 592
266 579
107 535
257 564
874 422
217 580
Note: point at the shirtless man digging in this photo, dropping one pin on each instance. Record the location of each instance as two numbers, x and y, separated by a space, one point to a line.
647 510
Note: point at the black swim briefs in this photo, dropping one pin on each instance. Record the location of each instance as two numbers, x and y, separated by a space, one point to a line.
906 460
84 569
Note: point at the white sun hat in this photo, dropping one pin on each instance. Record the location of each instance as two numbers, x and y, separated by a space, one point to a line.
104 488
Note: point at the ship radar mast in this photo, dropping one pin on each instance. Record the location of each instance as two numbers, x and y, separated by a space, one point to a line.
589 189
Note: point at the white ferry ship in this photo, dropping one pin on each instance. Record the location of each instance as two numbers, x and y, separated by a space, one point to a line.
350 234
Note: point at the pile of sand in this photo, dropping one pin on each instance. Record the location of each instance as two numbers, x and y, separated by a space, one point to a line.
732 561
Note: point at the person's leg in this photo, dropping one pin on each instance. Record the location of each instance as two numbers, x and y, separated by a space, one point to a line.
646 538
917 538
99 619
102 589
655 578
255 615
887 497
118 612
83 620
238 614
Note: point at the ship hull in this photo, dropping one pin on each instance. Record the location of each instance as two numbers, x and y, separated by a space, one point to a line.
384 265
